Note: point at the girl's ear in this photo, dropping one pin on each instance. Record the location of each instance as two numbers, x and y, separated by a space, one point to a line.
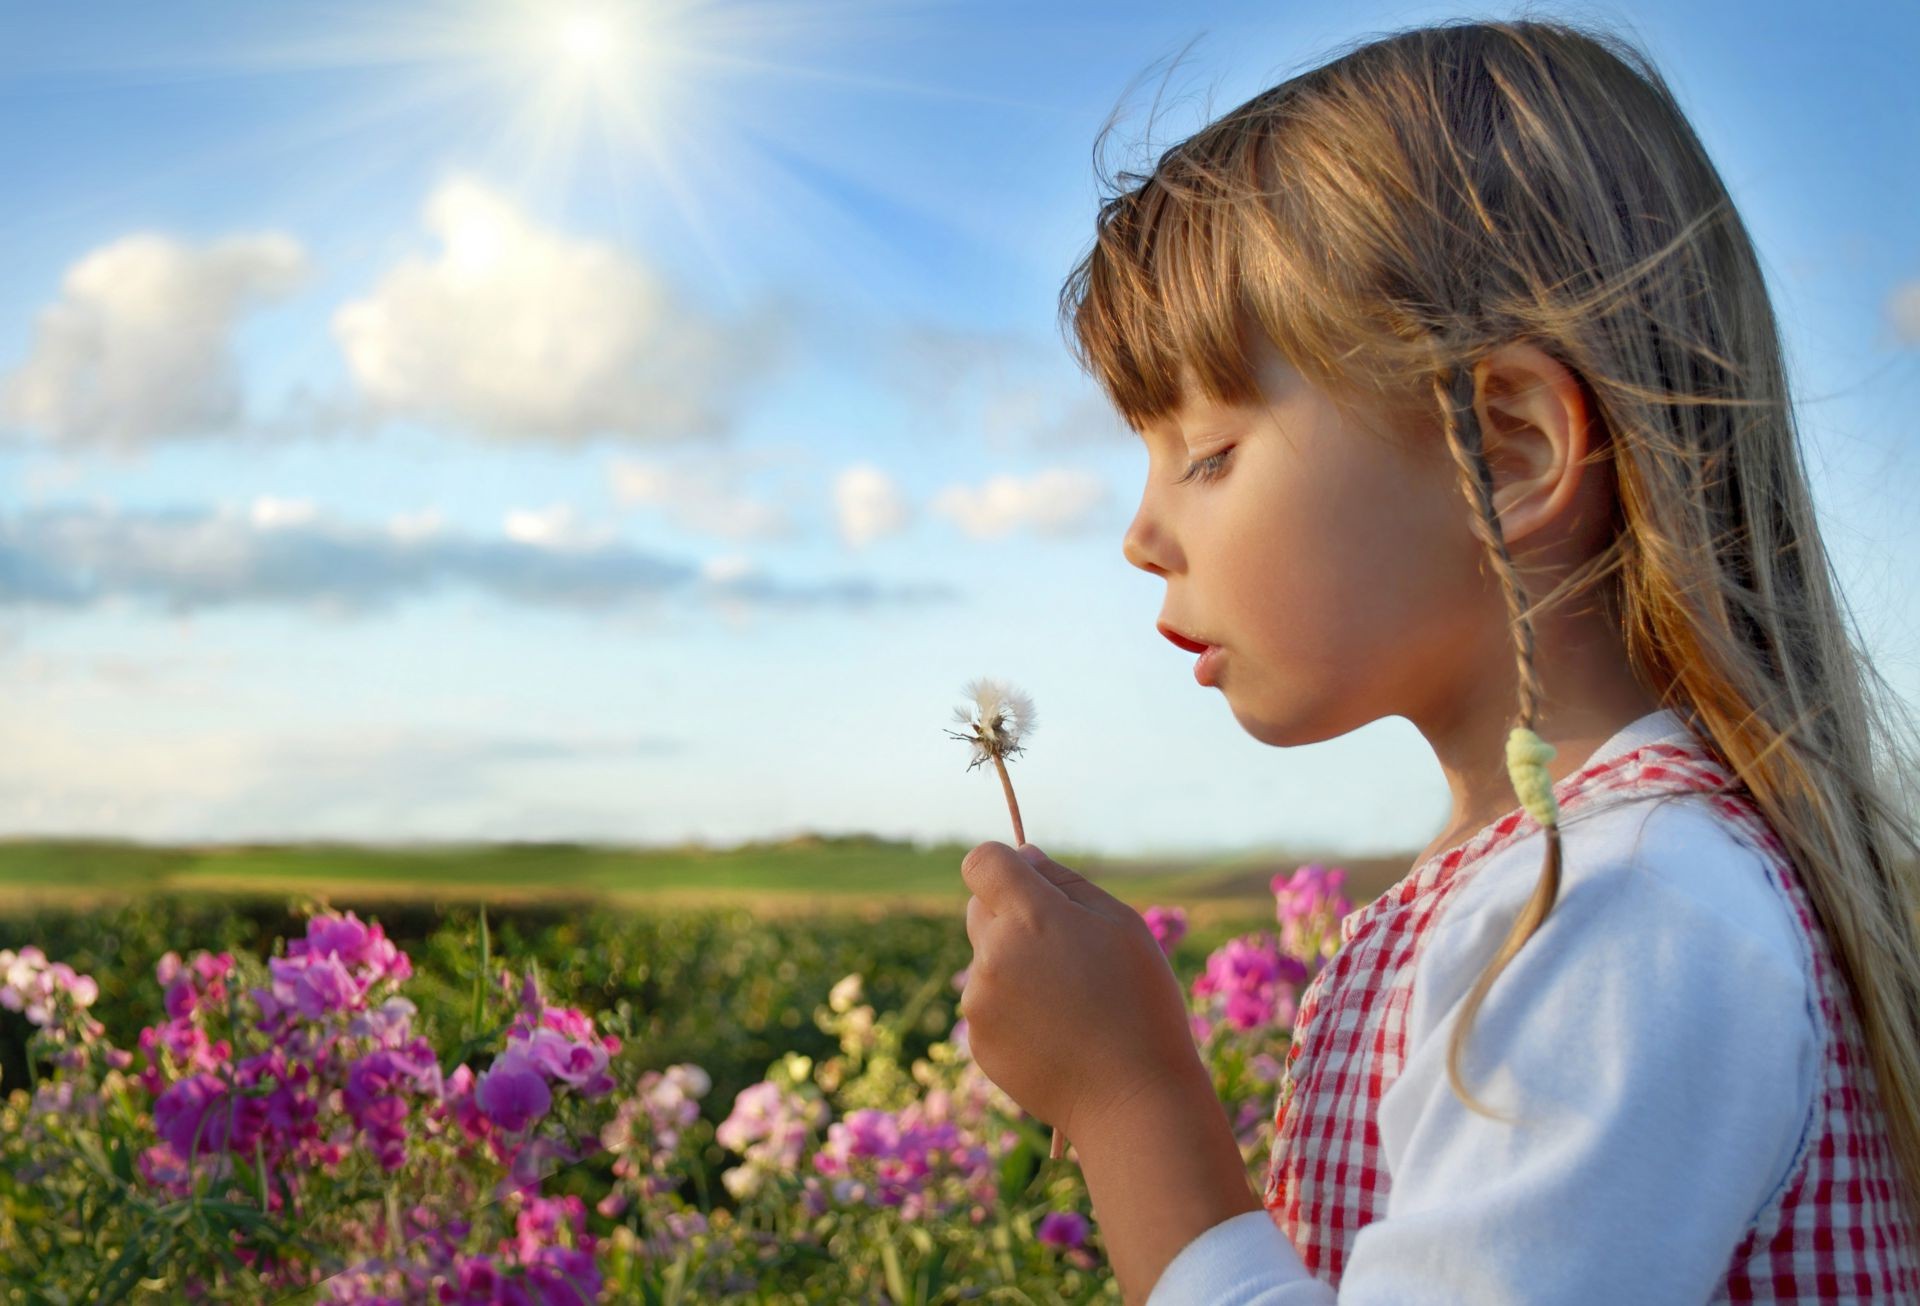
1534 434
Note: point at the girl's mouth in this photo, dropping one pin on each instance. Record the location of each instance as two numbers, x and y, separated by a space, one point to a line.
1182 641
1207 669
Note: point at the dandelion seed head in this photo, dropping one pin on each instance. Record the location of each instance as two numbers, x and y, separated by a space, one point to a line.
999 719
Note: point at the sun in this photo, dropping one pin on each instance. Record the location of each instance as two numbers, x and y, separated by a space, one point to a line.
588 41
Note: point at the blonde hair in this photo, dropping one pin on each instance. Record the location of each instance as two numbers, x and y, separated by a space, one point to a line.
1389 217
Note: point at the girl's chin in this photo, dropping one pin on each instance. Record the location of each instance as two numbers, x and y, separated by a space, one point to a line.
1263 725
1276 725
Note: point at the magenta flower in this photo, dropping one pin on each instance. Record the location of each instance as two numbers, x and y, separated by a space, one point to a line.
458 1096
361 947
315 987
1251 982
1169 926
1063 1229
513 1092
192 1115
376 1096
1309 906
582 1065
899 1159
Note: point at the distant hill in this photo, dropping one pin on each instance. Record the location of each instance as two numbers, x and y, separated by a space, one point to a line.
806 871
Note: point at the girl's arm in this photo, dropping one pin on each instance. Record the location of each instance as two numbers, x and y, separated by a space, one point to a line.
1162 1169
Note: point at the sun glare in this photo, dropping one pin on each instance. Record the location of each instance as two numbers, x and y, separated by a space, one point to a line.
588 41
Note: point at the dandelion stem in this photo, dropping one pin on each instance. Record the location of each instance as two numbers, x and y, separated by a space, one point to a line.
1013 804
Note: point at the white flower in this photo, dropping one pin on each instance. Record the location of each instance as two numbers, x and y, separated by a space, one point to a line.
844 994
743 1181
1001 718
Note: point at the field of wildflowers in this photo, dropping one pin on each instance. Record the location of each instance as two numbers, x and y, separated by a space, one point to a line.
320 1121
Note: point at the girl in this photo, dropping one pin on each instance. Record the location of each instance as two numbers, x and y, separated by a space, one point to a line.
1464 402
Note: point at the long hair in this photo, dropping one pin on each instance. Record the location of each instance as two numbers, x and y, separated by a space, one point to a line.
1390 216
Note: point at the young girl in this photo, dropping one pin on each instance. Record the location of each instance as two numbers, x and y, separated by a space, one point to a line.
1464 402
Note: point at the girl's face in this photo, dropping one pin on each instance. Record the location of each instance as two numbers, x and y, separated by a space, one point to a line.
1333 565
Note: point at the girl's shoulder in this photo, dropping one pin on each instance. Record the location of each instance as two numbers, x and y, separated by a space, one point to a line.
1667 883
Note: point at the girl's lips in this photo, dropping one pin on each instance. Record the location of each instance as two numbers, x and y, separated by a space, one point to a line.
1181 641
1207 669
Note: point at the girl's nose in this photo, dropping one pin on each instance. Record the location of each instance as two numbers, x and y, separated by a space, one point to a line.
1143 546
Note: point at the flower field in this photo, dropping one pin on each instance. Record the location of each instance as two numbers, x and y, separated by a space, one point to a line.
558 1105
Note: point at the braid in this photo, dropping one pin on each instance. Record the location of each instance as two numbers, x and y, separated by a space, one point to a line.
1527 754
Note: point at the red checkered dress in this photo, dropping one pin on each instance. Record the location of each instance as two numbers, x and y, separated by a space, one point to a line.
1834 1232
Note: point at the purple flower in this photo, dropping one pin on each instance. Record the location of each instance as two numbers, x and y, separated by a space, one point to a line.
902 1159
181 999
315 987
192 1115
578 1064
458 1099
1063 1229
376 1091
513 1093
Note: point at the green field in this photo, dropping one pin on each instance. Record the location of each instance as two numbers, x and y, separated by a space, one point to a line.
851 873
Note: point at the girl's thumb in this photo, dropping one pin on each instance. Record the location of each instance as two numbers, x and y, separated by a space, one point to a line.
1031 855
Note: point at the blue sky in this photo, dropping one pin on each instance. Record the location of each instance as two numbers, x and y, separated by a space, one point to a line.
494 420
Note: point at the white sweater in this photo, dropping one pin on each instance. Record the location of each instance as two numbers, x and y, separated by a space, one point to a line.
1658 1037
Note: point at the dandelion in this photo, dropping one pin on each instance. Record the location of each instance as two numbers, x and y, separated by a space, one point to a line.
1000 718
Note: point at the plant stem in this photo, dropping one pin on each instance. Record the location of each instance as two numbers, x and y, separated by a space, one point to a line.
1013 804
1059 1147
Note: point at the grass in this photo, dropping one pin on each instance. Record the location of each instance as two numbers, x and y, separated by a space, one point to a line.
850 873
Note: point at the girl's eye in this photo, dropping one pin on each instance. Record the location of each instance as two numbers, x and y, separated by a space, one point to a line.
1206 469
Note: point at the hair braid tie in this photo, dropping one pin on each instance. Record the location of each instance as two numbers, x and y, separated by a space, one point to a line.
1527 758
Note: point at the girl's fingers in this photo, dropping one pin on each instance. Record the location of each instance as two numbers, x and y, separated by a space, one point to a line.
977 918
1073 884
1005 880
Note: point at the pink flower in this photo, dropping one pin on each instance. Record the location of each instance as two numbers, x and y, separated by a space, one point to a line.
1251 981
459 1103
181 999
1309 907
1169 926
376 1093
901 1159
580 1064
191 1116
315 987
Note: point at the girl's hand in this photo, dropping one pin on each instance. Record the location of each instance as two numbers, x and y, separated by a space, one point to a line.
1071 1008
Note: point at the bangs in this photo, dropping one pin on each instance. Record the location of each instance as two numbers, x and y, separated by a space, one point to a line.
1157 303
1195 263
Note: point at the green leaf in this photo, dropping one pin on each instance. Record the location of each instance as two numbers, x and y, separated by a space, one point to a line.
1018 1168
896 1277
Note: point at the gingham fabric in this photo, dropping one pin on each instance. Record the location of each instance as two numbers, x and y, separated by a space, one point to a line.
1834 1232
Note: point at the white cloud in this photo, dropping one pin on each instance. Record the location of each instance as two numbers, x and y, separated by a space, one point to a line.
1903 309
728 568
138 347
868 505
706 500
556 526
519 331
184 561
1055 502
269 512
